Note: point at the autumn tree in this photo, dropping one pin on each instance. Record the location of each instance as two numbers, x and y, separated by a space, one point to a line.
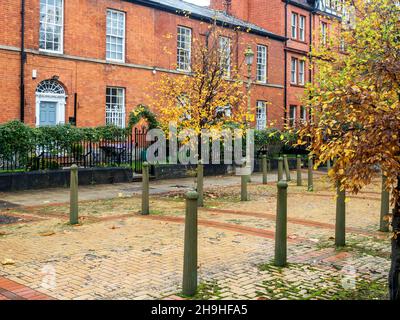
210 94
356 108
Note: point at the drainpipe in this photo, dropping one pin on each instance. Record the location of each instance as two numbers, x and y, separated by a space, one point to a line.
310 73
286 67
75 108
23 59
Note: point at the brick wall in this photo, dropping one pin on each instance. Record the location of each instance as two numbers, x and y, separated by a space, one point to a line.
82 69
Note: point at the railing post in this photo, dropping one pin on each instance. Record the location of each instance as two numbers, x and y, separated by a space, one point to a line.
286 165
310 173
281 225
244 180
73 204
264 169
298 167
189 284
280 168
384 223
340 229
145 189
200 183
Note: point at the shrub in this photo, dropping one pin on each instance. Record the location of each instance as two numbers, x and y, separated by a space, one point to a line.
275 141
15 138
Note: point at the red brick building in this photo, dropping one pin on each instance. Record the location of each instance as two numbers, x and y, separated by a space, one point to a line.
304 23
91 61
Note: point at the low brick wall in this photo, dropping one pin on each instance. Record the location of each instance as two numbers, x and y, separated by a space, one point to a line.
60 178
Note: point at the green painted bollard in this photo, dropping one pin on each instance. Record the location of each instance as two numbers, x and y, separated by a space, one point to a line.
244 196
340 228
281 225
200 183
298 167
287 169
264 169
310 174
328 165
280 168
145 189
189 284
73 204
384 223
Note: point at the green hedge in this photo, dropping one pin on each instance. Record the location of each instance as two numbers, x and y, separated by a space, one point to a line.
16 137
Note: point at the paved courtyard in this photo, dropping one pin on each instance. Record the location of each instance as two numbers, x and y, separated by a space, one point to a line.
115 253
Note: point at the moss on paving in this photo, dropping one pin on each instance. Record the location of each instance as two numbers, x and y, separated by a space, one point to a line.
206 291
325 286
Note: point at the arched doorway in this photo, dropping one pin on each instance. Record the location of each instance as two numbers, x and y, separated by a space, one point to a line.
50 103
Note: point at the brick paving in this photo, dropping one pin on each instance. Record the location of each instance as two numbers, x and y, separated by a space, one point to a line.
119 254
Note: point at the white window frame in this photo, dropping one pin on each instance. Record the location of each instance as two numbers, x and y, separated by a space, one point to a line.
303 113
302 28
294 21
61 25
324 33
293 70
302 70
118 120
262 63
292 116
261 115
225 52
183 50
342 45
110 36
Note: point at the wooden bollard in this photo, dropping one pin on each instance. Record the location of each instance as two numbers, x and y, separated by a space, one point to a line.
189 284
310 174
298 167
244 196
280 168
281 225
264 169
384 223
286 165
145 189
340 228
73 202
200 183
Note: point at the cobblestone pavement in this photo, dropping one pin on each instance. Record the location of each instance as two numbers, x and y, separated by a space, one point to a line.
115 253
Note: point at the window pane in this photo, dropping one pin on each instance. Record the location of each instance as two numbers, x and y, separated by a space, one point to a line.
294 25
293 73
225 55
261 115
184 43
261 63
115 106
115 35
51 25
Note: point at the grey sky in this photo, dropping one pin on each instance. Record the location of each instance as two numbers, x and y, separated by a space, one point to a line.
200 2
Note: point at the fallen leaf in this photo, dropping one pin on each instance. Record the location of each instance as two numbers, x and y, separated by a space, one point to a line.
47 234
7 262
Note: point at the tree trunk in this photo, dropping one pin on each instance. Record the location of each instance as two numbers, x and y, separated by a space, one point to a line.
394 274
